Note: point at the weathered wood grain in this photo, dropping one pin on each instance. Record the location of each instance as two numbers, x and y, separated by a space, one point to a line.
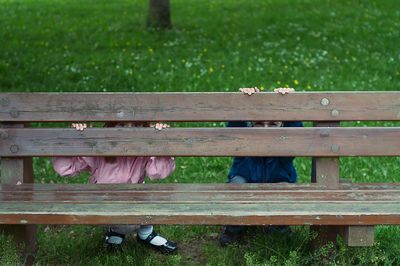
279 213
200 188
331 142
195 197
311 106
201 204
188 187
182 193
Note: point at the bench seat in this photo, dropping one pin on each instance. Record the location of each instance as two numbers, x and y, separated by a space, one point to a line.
208 204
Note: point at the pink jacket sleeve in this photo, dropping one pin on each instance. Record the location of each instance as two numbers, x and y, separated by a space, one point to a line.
71 166
160 167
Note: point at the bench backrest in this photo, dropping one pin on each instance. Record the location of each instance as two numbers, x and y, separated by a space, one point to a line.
327 139
320 107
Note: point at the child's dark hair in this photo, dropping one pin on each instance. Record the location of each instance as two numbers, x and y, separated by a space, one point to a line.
115 123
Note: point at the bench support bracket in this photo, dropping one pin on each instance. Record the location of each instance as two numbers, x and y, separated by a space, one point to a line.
325 171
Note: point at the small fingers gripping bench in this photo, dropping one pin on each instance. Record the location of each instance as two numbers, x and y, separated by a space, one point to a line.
346 208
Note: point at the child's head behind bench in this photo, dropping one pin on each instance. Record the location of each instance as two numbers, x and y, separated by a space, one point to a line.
112 159
127 124
267 124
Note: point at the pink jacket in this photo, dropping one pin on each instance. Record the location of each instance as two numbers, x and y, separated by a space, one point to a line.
123 170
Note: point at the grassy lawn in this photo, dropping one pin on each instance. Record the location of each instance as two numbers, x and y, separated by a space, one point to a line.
311 45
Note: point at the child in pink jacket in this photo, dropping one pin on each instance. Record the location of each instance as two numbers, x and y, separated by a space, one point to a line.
125 170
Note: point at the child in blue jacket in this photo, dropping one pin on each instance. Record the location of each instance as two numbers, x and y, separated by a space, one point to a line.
259 169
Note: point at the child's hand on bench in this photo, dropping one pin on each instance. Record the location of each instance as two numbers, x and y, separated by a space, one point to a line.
79 126
250 91
284 90
160 126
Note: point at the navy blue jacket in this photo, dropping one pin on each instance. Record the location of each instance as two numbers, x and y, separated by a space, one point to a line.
264 169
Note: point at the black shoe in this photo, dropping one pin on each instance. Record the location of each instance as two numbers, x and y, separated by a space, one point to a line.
167 248
228 238
113 239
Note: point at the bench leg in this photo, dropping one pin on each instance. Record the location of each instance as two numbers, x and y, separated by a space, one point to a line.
326 234
325 171
353 236
12 171
359 236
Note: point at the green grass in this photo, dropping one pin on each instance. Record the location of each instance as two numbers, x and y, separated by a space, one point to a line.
312 45
217 45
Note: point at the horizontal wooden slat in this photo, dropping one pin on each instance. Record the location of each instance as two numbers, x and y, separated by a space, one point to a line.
330 106
359 204
291 213
145 197
200 142
188 187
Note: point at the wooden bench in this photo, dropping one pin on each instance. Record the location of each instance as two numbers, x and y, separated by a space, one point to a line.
346 208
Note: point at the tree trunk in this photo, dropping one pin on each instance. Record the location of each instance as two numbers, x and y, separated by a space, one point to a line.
159 15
